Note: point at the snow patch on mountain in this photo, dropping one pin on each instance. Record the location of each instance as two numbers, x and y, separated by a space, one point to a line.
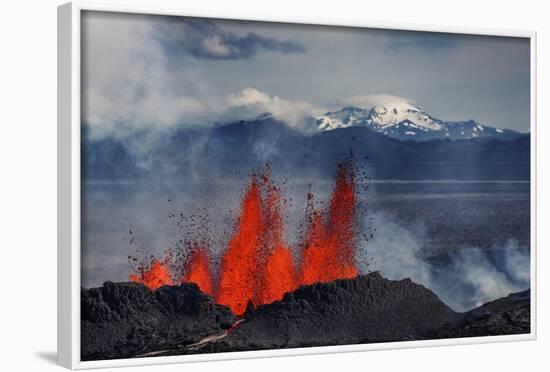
399 112
404 121
344 118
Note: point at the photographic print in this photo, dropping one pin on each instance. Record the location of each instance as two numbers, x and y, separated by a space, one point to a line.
253 185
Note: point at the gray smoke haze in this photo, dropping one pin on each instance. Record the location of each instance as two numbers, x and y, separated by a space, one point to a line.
469 277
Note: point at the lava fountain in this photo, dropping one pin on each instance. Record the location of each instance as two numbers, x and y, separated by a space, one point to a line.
237 281
276 273
154 275
257 266
329 252
197 269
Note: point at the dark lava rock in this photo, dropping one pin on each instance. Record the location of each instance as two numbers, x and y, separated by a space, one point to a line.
365 309
121 320
506 316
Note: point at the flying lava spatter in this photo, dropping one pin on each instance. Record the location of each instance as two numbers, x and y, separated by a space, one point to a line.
257 266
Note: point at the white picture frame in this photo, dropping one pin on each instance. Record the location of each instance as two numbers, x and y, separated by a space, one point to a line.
69 18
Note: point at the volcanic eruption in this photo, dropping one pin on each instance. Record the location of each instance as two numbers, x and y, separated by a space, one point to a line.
267 294
257 266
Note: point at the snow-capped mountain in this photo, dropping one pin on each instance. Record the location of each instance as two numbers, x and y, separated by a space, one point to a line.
407 122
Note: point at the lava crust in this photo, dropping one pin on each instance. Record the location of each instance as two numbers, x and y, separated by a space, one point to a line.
506 316
365 309
124 320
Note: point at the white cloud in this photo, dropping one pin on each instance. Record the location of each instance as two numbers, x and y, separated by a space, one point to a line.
215 47
252 102
375 100
248 96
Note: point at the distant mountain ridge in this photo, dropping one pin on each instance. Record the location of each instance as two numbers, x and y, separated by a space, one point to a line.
238 147
404 121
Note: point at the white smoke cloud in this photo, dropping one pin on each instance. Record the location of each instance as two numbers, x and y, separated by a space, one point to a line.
126 84
486 279
472 278
395 250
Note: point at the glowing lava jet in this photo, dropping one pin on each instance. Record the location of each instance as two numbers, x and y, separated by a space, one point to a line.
257 266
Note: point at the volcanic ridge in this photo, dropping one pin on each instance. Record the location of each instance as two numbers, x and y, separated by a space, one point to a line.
124 320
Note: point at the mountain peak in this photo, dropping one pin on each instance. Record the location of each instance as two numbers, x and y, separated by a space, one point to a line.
343 118
380 116
404 121
399 112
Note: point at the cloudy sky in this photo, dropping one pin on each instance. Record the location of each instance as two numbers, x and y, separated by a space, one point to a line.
146 71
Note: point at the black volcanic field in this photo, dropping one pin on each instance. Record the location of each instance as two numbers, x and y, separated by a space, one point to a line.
125 320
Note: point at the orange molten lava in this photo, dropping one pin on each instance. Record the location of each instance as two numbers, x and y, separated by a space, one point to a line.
240 261
340 229
329 252
277 278
315 255
276 273
197 270
257 267
155 276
